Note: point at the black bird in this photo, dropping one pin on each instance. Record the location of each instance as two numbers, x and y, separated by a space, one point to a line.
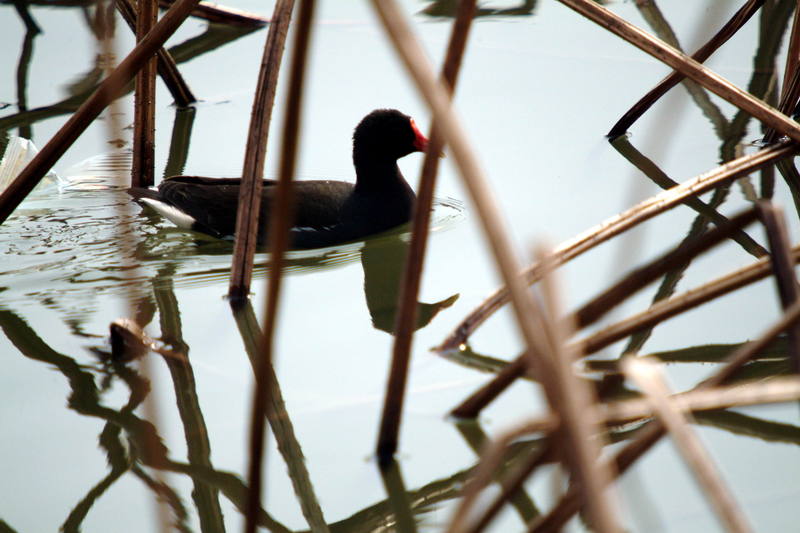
326 212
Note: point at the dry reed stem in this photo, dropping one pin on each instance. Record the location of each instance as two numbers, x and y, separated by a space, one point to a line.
409 290
217 13
573 400
167 68
783 269
107 91
788 102
687 66
660 178
665 309
644 275
514 483
526 310
490 462
604 302
618 224
649 377
792 55
652 432
247 217
144 111
280 216
721 37
776 390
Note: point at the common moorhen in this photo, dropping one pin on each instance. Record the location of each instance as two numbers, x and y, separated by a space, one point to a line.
326 212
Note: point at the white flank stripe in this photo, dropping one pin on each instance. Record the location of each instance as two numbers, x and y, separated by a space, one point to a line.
171 213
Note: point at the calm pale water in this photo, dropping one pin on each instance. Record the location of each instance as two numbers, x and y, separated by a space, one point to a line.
539 89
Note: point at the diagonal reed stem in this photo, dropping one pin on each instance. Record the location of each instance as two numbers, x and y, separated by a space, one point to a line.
604 302
247 217
650 378
721 37
167 68
407 311
279 242
618 224
107 91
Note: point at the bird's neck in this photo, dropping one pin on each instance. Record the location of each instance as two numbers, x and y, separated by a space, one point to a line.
372 173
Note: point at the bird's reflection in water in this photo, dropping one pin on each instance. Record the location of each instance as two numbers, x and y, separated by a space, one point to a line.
383 261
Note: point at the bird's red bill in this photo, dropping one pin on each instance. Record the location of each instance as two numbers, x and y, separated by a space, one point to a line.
420 141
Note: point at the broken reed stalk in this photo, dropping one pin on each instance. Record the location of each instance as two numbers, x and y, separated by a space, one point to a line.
167 68
409 289
144 110
572 401
648 435
650 379
721 37
783 269
618 224
687 66
527 314
280 216
605 301
247 217
107 91
223 15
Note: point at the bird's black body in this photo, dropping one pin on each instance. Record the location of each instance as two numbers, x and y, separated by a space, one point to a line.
325 212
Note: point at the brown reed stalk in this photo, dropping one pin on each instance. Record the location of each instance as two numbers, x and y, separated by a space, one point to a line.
409 290
280 216
247 217
660 178
721 37
618 224
640 277
793 54
676 305
647 436
526 310
777 390
578 433
514 483
167 68
604 302
686 65
783 269
216 13
106 92
144 110
789 97
650 379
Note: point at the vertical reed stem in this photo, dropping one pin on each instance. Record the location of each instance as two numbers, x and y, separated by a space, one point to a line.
279 241
406 316
247 217
144 111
